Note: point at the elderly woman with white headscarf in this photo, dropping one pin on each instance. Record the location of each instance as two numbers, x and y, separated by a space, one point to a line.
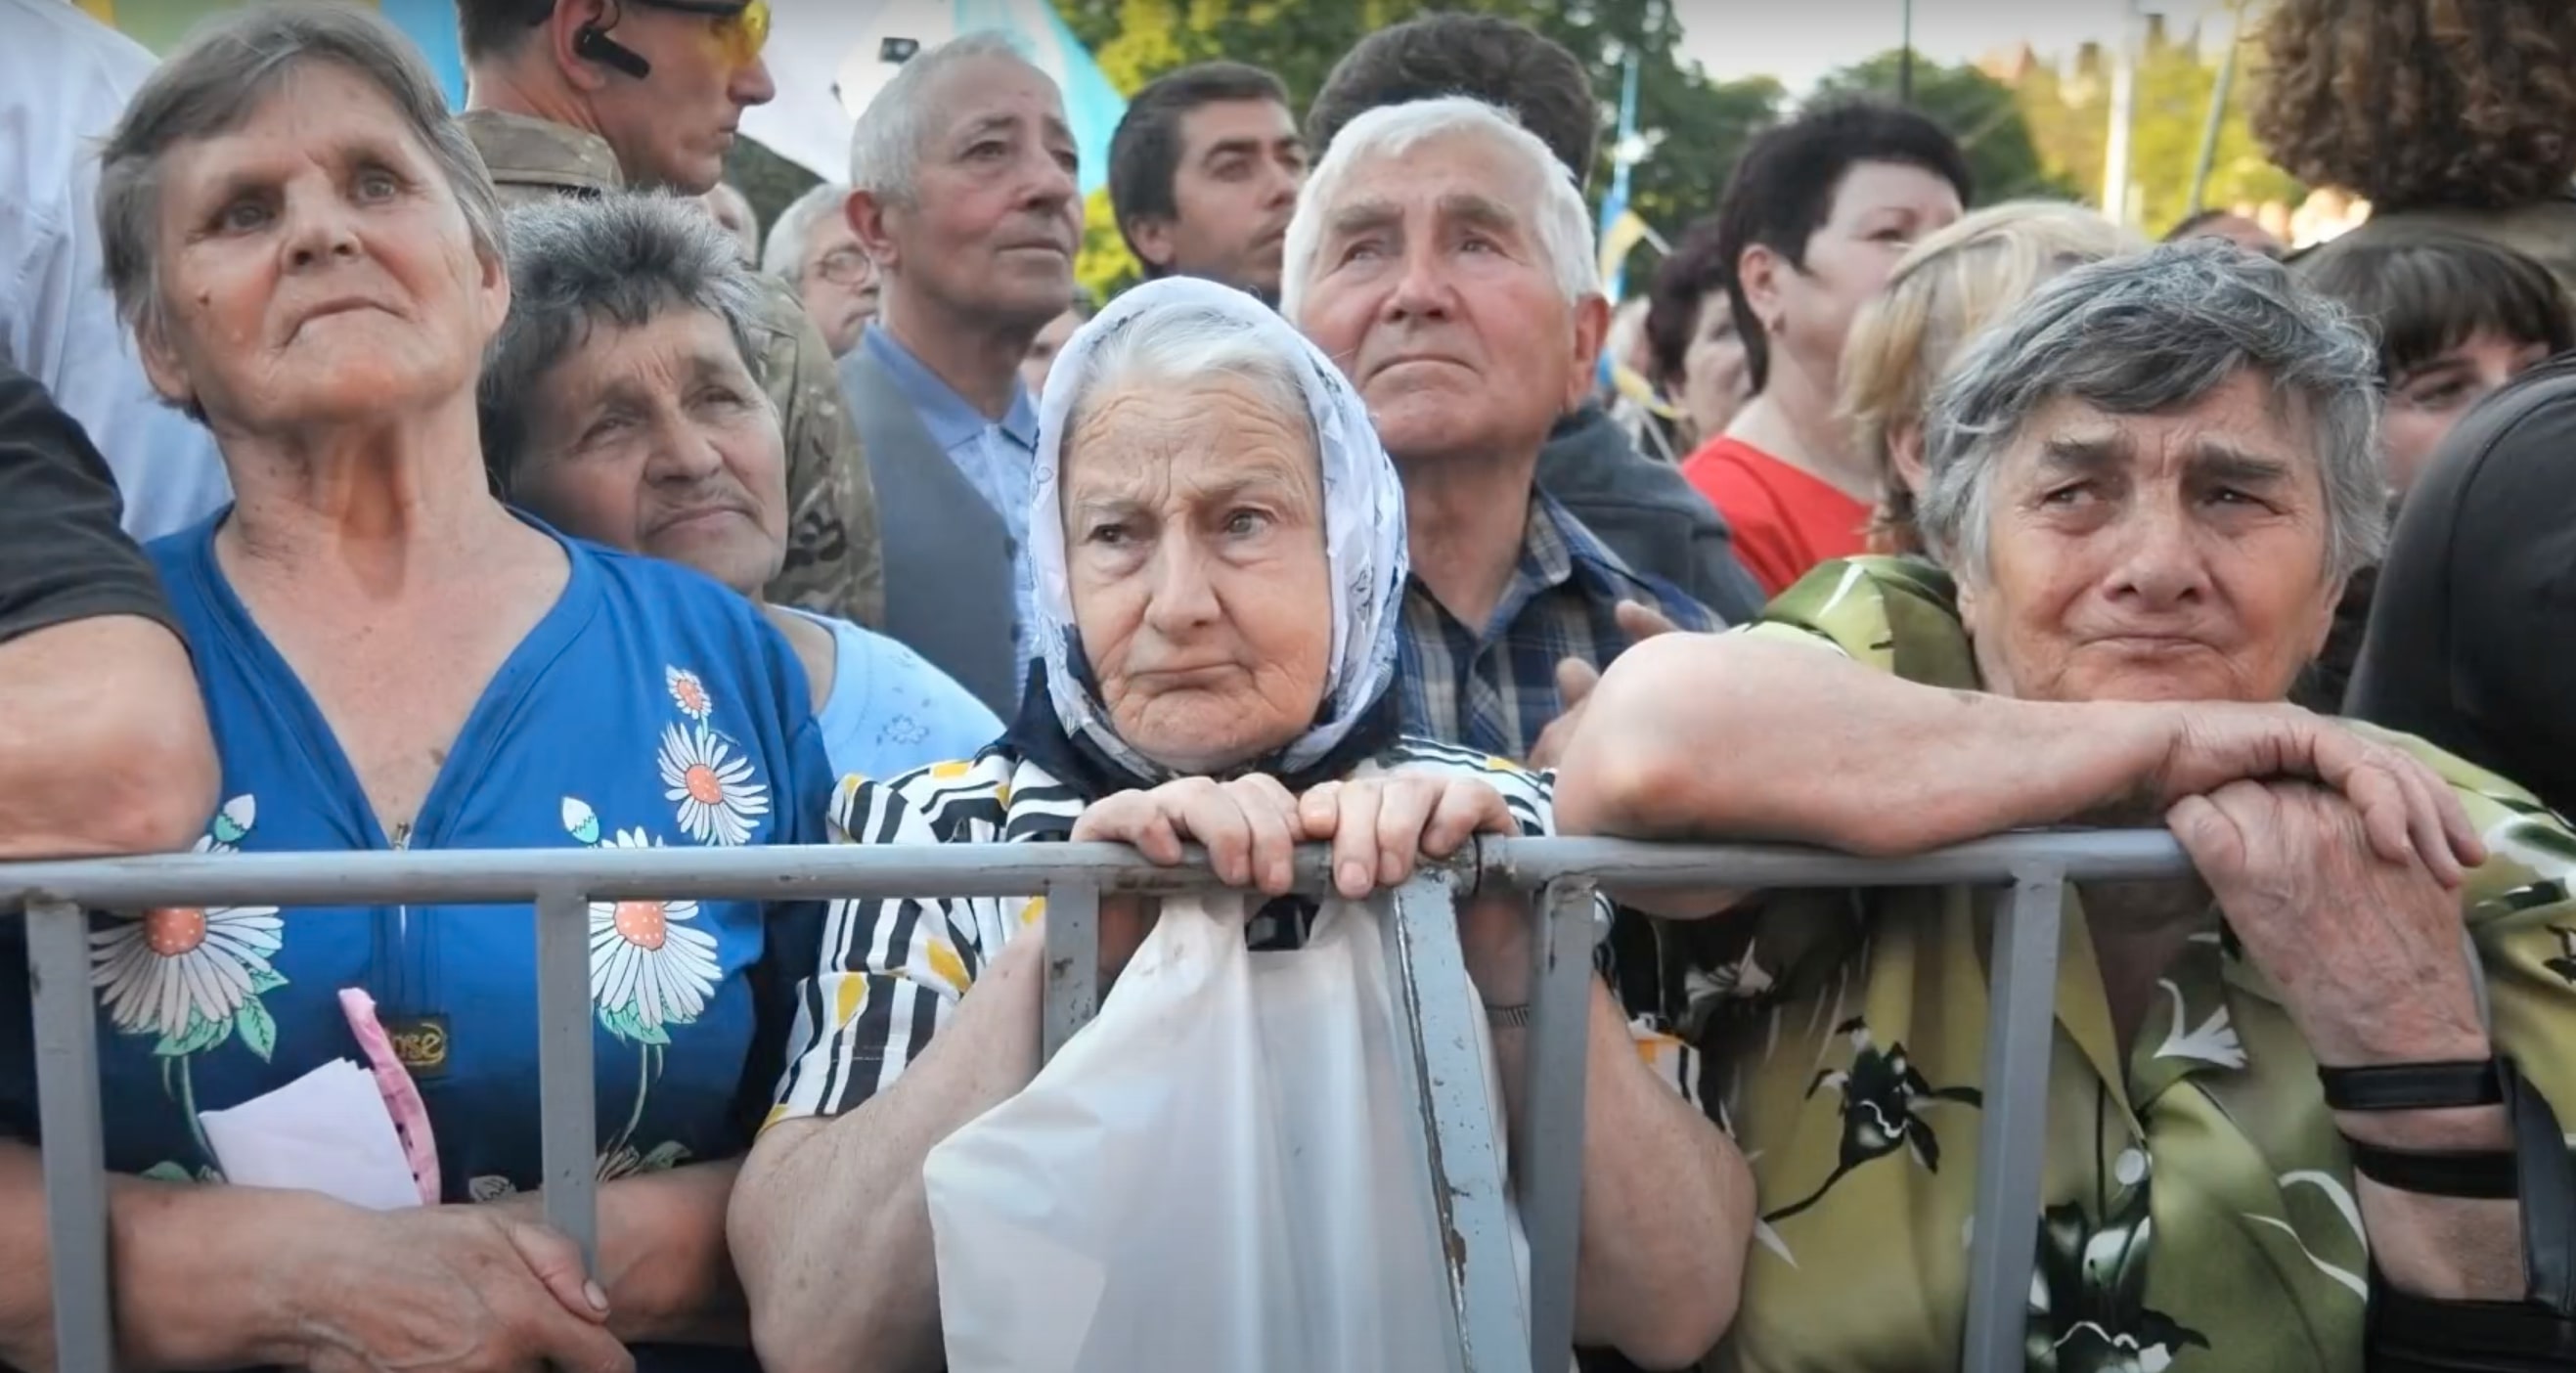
1219 563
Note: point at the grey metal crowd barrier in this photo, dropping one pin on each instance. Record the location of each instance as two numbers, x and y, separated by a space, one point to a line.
1464 1167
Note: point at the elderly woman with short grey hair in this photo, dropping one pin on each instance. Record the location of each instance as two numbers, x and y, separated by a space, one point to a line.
619 406
1218 546
2295 1118
308 253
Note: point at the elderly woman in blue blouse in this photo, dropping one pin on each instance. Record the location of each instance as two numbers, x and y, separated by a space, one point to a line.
1218 559
309 253
619 406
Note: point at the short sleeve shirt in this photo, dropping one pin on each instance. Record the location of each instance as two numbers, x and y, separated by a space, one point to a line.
62 556
890 711
1785 520
648 708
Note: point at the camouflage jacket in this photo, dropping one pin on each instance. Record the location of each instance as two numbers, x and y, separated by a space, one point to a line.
833 563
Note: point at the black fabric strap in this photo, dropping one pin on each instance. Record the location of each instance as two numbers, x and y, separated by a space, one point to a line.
2488 1176
2412 1086
2411 1334
2546 1169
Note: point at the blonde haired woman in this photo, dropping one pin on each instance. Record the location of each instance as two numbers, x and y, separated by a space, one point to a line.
1945 292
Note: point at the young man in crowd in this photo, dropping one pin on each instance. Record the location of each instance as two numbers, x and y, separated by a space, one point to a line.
1203 174
587 97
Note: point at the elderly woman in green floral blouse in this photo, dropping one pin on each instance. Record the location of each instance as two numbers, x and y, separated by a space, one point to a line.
2151 483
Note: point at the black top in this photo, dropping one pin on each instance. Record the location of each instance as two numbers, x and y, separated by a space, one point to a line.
2472 640
1647 513
62 556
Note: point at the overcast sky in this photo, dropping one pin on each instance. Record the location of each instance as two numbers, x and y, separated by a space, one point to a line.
1800 40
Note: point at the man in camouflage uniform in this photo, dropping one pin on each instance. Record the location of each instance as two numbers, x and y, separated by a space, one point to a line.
589 97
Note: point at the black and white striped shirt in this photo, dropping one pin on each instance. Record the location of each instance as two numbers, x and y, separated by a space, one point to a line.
892 970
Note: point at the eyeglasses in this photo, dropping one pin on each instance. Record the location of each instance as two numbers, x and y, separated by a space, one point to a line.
740 31
843 267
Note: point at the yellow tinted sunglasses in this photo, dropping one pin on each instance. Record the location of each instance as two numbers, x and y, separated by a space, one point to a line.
740 31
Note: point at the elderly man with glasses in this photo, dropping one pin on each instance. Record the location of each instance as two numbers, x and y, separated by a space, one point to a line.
590 97
814 250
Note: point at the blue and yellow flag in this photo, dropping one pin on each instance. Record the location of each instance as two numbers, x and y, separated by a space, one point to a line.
1621 230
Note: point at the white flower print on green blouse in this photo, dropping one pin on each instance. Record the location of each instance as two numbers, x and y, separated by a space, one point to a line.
193 976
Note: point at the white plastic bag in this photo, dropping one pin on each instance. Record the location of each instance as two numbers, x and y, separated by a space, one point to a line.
1216 1174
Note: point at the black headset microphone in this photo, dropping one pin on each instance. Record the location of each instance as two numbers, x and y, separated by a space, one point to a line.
591 43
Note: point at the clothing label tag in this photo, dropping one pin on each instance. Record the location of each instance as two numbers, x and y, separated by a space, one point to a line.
420 1041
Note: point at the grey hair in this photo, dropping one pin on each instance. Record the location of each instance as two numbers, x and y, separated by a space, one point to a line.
795 228
218 80
621 260
1185 346
2144 334
885 147
1560 224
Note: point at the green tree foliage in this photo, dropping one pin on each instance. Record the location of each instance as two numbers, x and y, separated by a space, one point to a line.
1692 127
2069 112
1978 110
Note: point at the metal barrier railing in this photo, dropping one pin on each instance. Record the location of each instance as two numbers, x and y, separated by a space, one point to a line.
1438 1043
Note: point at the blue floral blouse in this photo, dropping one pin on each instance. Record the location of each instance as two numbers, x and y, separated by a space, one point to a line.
649 708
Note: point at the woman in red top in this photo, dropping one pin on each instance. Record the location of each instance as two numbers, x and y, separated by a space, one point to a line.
1814 219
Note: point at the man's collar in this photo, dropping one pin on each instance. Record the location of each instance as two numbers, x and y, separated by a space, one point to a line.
1559 548
520 150
951 419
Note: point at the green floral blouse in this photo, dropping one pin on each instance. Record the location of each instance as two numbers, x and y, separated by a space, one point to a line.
2198 1205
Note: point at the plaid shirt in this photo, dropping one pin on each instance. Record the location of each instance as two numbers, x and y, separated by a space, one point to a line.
1496 691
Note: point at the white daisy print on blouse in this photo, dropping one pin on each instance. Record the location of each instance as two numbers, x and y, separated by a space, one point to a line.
194 975
650 965
688 693
718 800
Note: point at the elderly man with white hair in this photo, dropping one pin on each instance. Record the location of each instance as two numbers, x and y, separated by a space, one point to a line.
1442 255
963 194
814 250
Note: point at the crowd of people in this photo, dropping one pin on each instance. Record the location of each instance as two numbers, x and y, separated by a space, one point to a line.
376 476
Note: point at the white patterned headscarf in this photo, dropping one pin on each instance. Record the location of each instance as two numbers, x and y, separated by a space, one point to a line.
1363 525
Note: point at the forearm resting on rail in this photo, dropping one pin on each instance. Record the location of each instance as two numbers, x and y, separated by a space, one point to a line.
183 1296
1743 737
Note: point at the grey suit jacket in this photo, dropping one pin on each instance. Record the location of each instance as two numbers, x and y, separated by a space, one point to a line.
948 556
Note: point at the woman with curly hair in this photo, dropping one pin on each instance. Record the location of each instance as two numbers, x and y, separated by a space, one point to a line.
2450 114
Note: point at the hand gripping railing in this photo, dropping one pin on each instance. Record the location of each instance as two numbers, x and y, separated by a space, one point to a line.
1463 1169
